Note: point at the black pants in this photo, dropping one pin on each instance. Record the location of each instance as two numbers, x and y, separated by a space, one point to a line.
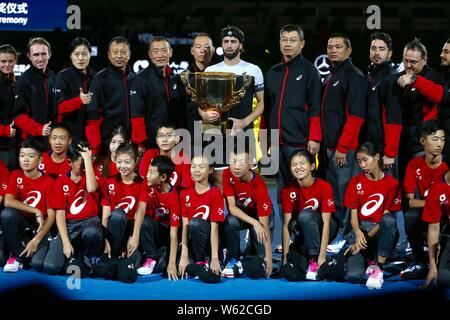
381 245
200 238
86 236
18 229
154 236
119 230
415 229
308 232
443 279
233 226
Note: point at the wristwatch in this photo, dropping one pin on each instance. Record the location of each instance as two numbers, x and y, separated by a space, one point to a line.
413 79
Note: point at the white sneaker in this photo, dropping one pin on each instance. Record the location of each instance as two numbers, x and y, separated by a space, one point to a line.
313 268
232 267
375 280
335 247
12 265
147 267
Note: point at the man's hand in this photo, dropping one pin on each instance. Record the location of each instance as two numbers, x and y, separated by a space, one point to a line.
405 80
46 129
313 147
209 116
85 97
388 162
12 130
341 159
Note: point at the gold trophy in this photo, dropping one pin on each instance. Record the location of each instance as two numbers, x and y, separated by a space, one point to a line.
215 91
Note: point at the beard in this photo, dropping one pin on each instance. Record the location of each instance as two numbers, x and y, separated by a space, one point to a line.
231 55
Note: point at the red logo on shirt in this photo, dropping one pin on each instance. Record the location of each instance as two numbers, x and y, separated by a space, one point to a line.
374 204
33 199
202 214
79 203
126 205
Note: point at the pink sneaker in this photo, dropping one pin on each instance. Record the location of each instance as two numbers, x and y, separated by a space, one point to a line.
13 265
147 267
312 270
375 280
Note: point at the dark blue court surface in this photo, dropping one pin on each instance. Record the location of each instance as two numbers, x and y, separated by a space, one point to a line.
154 287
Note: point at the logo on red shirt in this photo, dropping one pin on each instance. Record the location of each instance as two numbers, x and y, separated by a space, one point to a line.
312 203
127 205
366 211
79 203
33 199
202 214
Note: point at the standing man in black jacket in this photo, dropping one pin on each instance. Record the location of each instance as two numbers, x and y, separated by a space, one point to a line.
384 113
419 103
292 99
343 111
33 92
156 95
109 107
8 58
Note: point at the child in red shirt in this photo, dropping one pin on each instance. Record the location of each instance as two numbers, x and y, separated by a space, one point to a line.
76 201
249 206
307 205
27 217
55 162
202 211
159 215
119 203
373 198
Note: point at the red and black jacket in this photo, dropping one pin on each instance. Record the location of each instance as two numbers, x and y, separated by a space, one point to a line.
384 113
292 102
70 110
155 98
34 101
343 107
109 107
420 102
6 109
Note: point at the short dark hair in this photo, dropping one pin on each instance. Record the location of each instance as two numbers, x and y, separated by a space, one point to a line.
303 153
73 153
33 143
164 164
127 148
158 39
61 125
232 31
383 36
166 124
347 42
79 41
427 128
119 39
370 149
291 28
7 48
39 40
416 45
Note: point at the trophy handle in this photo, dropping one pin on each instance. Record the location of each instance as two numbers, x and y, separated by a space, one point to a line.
184 76
237 96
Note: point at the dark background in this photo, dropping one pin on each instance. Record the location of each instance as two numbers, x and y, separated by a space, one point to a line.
260 21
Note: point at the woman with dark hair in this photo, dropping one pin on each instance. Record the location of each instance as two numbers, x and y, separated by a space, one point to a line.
373 199
72 88
106 163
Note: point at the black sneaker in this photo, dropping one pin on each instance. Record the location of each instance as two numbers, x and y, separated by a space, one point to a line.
415 271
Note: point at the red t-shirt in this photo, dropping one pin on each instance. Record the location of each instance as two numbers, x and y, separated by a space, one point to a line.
180 178
74 198
33 192
437 203
162 207
207 206
253 196
4 178
372 198
117 194
318 196
419 176
50 167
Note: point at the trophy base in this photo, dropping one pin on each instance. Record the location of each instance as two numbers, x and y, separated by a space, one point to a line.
216 128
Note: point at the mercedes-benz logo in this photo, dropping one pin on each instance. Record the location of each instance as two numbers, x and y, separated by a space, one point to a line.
322 65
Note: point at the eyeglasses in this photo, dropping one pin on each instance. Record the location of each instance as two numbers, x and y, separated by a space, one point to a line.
411 62
165 136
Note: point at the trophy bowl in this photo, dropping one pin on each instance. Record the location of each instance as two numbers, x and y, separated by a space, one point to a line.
215 91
